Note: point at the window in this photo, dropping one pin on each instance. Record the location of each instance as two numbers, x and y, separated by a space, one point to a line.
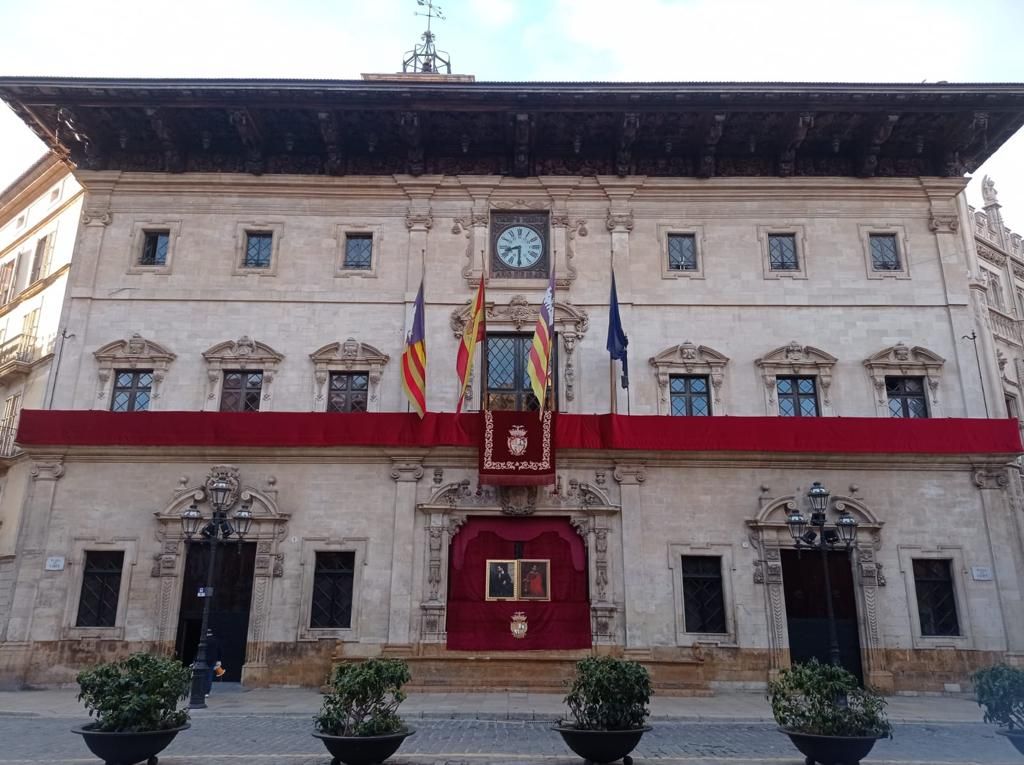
682 252
689 395
20 223
9 424
259 246
132 390
782 252
241 391
798 396
7 281
101 585
906 396
508 384
42 257
1011 406
703 599
348 391
154 248
358 251
332 590
884 254
54 194
936 603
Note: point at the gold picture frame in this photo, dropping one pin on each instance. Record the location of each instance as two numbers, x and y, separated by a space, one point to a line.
502 578
530 579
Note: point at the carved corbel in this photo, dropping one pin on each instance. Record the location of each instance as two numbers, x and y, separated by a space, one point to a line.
996 478
881 130
627 137
713 128
410 130
47 468
418 221
798 128
330 132
174 162
252 140
523 133
944 224
619 222
406 471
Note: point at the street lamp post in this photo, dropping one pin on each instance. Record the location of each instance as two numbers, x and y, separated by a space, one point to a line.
214 532
841 534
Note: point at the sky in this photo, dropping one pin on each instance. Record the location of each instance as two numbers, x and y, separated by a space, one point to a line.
679 40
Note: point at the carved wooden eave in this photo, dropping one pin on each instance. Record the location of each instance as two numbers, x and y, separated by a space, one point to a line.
347 127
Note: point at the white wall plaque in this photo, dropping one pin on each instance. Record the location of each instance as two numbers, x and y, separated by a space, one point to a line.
55 564
981 573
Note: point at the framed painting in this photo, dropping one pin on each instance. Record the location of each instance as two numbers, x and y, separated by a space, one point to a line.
534 579
501 580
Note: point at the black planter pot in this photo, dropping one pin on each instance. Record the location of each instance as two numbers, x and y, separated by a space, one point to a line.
128 748
1015 737
363 750
601 746
831 750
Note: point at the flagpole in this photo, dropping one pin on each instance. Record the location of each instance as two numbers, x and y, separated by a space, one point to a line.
612 395
483 345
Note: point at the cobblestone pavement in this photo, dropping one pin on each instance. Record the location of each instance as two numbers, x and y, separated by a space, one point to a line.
285 739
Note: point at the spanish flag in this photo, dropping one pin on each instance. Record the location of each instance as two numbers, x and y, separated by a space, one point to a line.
537 367
471 335
414 359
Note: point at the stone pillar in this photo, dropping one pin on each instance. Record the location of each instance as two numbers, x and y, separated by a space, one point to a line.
1007 552
405 473
635 585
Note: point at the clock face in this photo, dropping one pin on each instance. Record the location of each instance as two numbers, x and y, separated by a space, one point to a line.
519 247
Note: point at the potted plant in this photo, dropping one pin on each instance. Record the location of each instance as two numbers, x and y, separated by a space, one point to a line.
826 714
359 722
135 706
608 700
1000 690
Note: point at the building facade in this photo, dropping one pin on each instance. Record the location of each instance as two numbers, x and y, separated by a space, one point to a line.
797 272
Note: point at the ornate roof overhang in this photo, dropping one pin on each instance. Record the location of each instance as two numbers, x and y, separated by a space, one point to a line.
354 127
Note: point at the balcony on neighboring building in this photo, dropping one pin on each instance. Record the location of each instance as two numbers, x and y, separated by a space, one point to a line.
16 357
1005 327
7 434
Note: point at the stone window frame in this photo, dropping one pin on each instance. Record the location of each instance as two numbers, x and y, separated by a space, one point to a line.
139 230
724 551
697 232
242 354
902 249
795 360
310 546
799 234
953 553
690 359
242 231
348 356
135 353
75 566
901 360
341 233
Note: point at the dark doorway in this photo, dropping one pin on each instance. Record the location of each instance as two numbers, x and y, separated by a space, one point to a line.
229 612
807 613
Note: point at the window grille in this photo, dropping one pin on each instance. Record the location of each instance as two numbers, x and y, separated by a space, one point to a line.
101 587
936 603
703 596
332 590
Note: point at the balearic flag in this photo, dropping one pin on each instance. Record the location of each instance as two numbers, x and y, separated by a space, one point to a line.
617 340
471 335
414 360
537 367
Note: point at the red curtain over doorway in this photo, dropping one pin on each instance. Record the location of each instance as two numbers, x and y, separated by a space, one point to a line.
475 624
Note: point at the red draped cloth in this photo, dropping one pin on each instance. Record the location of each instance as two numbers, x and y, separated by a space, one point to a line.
476 624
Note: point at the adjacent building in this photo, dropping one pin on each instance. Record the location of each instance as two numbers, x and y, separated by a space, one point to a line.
806 296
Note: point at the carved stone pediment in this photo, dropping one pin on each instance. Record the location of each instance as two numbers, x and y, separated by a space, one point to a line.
521 313
244 353
797 359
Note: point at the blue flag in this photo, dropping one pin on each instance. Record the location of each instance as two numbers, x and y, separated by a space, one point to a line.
617 340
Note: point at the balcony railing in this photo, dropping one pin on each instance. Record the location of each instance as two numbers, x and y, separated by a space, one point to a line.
7 434
1005 327
20 348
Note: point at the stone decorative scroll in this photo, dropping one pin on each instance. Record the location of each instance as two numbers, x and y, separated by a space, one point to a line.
944 224
796 359
466 226
134 353
348 356
901 359
244 353
995 478
689 359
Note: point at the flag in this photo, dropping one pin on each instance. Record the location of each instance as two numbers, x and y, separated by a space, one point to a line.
617 340
537 367
471 335
414 359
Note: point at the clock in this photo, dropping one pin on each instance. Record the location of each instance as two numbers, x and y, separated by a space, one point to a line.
519 245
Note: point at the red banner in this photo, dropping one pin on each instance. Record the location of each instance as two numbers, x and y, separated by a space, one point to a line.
516 448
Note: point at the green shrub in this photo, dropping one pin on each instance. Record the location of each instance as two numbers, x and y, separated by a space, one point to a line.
1000 690
609 694
364 699
825 700
140 693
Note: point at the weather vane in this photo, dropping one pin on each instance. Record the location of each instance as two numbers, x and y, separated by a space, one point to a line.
424 57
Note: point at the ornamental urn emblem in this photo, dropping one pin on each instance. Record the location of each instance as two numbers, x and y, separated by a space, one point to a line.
517 440
518 625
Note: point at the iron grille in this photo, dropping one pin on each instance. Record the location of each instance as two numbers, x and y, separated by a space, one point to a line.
258 249
358 251
798 396
332 590
703 599
132 390
101 586
884 255
241 391
689 395
906 397
154 248
936 603
682 252
782 252
348 391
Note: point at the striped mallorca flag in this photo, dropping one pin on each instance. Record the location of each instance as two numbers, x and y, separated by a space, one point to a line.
471 335
540 352
414 360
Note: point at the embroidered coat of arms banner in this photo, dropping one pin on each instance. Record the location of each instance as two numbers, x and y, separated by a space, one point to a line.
517 449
